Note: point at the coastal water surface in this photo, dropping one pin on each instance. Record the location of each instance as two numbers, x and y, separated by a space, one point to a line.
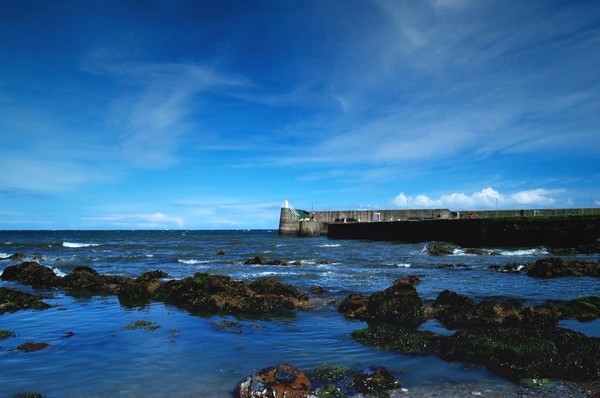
93 353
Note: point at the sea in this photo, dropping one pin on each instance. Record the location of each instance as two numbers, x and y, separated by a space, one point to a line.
95 352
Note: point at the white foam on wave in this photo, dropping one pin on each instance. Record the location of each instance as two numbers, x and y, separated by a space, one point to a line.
192 261
58 272
460 252
330 245
525 252
76 245
4 255
403 265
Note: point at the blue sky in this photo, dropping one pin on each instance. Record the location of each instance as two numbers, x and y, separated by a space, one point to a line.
209 114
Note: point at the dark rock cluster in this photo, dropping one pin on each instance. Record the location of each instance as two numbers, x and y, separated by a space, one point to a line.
202 292
507 337
327 382
553 267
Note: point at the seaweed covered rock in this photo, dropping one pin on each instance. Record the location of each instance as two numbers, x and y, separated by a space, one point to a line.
259 260
12 300
31 346
375 381
354 306
582 308
441 248
513 313
32 274
141 289
218 293
278 381
515 352
454 310
88 279
393 337
555 267
398 303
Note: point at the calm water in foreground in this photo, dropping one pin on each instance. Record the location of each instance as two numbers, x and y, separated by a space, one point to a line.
191 356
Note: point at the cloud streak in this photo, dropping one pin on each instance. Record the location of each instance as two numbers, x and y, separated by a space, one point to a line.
487 198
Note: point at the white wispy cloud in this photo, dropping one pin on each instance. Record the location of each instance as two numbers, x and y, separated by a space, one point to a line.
158 106
487 198
144 221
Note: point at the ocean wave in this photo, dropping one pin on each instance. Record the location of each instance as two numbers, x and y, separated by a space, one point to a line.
76 245
58 272
330 245
192 261
525 252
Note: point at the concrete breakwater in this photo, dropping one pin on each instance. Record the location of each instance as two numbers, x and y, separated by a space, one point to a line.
500 232
514 228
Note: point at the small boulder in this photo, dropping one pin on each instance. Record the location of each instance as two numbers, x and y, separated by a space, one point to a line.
32 274
31 346
278 381
258 260
398 303
441 248
12 300
375 380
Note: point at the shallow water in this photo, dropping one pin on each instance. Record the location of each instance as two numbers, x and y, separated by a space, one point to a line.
193 356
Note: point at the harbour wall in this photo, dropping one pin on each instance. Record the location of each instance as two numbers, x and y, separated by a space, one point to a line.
472 228
491 232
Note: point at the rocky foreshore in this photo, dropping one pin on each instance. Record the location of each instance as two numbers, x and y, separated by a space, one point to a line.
513 340
510 339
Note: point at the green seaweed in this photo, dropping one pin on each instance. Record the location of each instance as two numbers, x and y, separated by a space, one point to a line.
4 334
141 324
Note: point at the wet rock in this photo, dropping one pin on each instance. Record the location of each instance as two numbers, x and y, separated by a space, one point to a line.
28 395
31 346
583 308
84 278
32 274
89 280
273 287
354 306
217 293
220 252
151 276
375 380
412 280
454 310
329 391
12 300
555 267
517 353
279 381
398 303
5 334
493 312
317 290
481 252
15 257
452 266
259 260
133 293
141 289
511 268
393 337
441 248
